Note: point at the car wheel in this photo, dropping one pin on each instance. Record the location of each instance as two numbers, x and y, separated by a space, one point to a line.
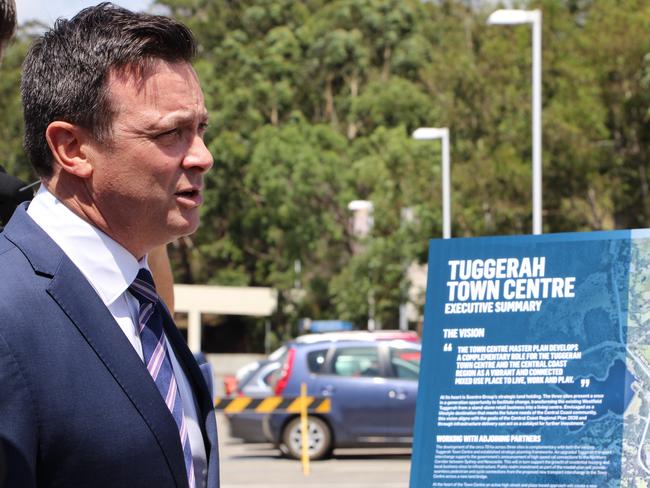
320 438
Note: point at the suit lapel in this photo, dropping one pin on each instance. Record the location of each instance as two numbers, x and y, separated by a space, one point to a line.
72 292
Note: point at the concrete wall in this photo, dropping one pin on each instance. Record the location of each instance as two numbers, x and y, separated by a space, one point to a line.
223 300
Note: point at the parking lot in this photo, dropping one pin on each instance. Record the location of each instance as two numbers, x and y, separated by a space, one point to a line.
260 466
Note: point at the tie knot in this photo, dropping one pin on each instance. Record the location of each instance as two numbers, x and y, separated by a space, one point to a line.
143 287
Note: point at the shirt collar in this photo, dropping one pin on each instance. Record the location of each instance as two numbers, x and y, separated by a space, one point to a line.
109 268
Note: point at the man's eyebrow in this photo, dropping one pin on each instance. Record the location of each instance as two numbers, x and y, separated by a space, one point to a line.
179 118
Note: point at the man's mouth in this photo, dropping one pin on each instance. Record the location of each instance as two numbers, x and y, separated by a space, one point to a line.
189 197
187 193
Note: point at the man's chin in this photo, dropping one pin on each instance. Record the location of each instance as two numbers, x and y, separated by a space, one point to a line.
184 226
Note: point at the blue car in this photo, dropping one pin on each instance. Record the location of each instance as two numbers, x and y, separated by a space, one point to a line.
371 380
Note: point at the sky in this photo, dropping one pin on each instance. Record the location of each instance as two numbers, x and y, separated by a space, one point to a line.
47 11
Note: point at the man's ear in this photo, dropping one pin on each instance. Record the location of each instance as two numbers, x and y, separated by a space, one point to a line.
69 149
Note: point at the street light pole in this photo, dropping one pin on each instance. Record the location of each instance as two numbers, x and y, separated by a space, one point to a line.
537 123
442 133
363 217
428 134
364 209
534 17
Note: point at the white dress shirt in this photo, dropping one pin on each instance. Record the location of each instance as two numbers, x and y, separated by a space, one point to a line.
110 269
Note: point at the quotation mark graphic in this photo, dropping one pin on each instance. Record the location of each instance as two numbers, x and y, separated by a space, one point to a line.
447 347
585 382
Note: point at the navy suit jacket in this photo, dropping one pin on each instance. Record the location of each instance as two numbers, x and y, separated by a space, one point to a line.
78 407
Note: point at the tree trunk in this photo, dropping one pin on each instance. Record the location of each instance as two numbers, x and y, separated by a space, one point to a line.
274 113
385 70
330 111
598 216
643 178
354 92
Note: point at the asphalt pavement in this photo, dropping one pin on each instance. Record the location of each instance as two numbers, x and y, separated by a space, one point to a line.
260 466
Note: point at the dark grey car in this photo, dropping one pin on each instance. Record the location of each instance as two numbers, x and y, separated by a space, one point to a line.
247 426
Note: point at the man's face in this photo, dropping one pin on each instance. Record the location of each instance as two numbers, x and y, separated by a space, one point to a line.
147 180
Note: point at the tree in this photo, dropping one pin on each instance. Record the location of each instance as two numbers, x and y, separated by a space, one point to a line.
312 105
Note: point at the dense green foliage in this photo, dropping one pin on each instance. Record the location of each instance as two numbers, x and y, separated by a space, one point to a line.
312 105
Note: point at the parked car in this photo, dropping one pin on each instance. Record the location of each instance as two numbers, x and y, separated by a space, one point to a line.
206 370
231 381
377 335
372 384
247 426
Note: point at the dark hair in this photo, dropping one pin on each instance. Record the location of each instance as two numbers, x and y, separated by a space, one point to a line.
66 70
7 20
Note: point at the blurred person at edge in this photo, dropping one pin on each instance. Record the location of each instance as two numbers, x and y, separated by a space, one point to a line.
114 125
7 27
14 191
7 21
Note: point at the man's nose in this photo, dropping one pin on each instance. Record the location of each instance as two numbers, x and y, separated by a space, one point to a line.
198 156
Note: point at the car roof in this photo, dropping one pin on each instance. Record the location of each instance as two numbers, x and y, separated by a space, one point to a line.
354 335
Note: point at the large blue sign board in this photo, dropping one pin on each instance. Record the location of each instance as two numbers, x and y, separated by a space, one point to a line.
536 363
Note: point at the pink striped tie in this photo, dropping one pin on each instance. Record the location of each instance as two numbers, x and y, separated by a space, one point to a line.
154 349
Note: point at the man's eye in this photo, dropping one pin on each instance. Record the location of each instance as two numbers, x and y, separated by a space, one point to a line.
169 134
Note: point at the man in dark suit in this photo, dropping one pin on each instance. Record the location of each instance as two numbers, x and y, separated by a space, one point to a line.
7 21
12 190
97 387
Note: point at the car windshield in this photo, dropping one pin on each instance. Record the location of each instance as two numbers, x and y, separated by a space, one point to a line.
278 353
266 368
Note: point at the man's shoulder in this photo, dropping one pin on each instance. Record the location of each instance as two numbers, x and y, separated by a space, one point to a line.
18 273
8 252
23 236
5 245
24 299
